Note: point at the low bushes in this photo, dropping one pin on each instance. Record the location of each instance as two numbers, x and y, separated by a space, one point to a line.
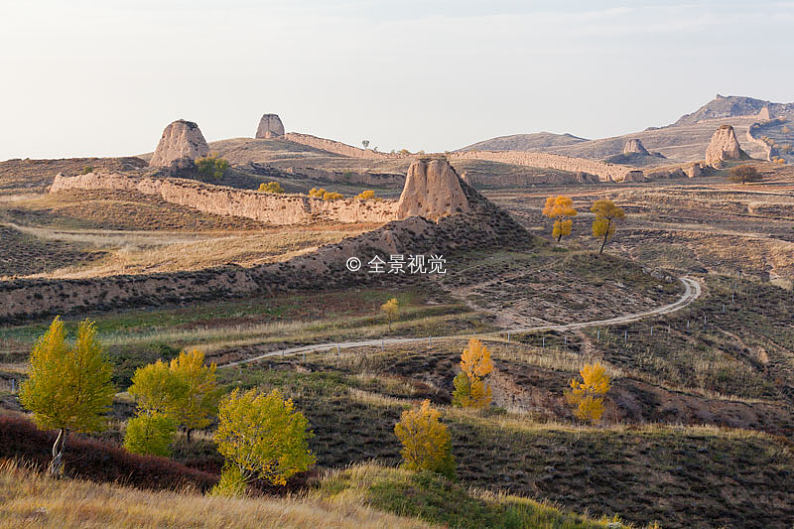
97 461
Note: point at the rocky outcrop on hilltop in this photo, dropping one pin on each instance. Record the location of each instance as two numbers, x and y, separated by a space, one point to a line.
724 146
635 146
432 190
180 140
733 106
270 126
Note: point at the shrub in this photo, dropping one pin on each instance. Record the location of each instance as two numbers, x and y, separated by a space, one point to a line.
367 194
88 169
270 187
332 195
426 441
211 166
744 174
97 461
317 192
231 484
150 433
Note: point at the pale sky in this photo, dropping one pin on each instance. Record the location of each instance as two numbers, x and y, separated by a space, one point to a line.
102 78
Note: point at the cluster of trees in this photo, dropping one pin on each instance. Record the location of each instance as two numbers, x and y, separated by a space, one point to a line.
561 210
259 435
318 192
212 166
69 388
270 187
368 194
183 394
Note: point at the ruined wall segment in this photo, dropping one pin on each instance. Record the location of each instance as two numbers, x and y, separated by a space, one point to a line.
277 209
606 172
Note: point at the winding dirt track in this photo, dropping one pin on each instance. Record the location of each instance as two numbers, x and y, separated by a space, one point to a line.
692 291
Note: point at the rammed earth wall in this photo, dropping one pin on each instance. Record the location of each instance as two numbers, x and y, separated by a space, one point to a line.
606 172
279 209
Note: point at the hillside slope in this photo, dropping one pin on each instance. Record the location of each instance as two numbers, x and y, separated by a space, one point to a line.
682 141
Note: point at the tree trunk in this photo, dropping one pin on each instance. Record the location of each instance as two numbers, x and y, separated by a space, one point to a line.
606 236
187 434
56 465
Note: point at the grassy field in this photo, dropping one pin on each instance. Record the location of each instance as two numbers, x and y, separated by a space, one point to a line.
677 475
32 500
97 233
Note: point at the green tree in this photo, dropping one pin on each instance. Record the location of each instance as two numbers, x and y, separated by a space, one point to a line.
607 214
426 441
211 166
185 390
157 389
200 401
69 387
263 436
231 484
150 433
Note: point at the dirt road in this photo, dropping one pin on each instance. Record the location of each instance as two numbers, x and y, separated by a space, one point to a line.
692 291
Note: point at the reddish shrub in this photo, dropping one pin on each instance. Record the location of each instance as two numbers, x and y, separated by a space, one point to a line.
97 461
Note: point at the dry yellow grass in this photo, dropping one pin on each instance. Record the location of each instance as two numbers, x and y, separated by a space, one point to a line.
32 500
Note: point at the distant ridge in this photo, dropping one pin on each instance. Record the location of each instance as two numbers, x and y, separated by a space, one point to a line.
734 106
683 141
525 142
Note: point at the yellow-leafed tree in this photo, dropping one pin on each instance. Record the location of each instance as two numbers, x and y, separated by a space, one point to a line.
69 387
606 215
367 194
199 404
587 394
560 208
316 192
425 440
271 187
392 310
185 390
471 390
262 436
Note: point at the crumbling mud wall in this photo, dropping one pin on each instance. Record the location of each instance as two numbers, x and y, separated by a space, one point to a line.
278 209
483 226
337 147
606 172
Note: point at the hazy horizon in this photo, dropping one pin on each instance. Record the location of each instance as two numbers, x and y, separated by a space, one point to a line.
104 78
